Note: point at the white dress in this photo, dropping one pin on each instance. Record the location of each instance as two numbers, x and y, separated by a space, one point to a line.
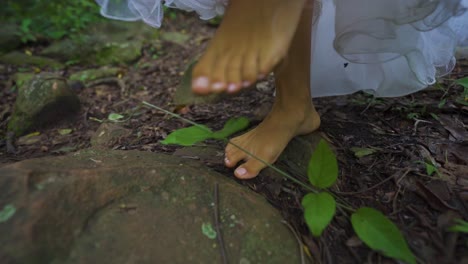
384 47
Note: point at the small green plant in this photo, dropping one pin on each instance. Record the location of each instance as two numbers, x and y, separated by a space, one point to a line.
461 226
49 19
463 98
371 226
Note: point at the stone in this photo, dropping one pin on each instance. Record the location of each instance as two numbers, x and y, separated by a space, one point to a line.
90 75
22 78
109 42
96 50
107 134
21 59
45 99
103 206
295 158
175 37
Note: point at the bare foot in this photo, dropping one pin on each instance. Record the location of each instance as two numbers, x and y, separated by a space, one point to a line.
251 40
293 112
269 139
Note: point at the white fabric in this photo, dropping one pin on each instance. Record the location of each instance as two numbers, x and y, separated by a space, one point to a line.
384 47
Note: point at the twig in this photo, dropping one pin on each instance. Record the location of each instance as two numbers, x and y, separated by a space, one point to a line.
218 225
301 250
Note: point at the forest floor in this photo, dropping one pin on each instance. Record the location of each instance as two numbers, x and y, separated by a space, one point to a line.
407 156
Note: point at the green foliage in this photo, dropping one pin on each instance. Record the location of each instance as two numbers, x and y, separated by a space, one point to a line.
49 19
319 210
209 231
188 136
362 152
463 82
114 117
461 226
232 126
463 99
7 212
381 234
323 167
430 169
194 134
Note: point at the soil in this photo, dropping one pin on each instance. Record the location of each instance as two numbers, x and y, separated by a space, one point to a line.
404 134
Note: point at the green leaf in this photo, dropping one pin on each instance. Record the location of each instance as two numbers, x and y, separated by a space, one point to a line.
379 233
115 117
463 82
7 212
430 169
362 152
208 230
188 136
319 210
65 131
323 167
461 227
232 126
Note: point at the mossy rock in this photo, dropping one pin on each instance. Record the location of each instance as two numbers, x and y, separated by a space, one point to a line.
103 206
45 99
21 59
110 42
22 78
90 75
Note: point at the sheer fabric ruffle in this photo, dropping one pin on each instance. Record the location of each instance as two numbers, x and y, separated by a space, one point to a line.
384 47
151 11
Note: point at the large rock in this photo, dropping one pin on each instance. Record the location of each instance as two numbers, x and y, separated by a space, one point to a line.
21 59
109 42
90 75
132 207
45 99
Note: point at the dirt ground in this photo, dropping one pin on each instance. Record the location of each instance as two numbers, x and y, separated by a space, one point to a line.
403 135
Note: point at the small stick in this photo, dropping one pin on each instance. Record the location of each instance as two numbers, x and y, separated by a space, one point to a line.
301 250
218 224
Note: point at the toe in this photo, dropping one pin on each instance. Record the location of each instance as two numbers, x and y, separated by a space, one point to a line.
249 170
200 73
233 74
233 156
250 68
219 72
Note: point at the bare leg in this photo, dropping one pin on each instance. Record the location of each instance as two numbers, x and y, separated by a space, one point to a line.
252 39
292 114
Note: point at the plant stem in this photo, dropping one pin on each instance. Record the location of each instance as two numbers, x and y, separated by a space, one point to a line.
342 204
283 173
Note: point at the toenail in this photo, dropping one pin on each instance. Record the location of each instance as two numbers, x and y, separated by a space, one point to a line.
226 160
241 171
217 86
246 84
232 87
201 82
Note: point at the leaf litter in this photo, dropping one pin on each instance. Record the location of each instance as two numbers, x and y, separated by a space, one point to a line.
394 179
